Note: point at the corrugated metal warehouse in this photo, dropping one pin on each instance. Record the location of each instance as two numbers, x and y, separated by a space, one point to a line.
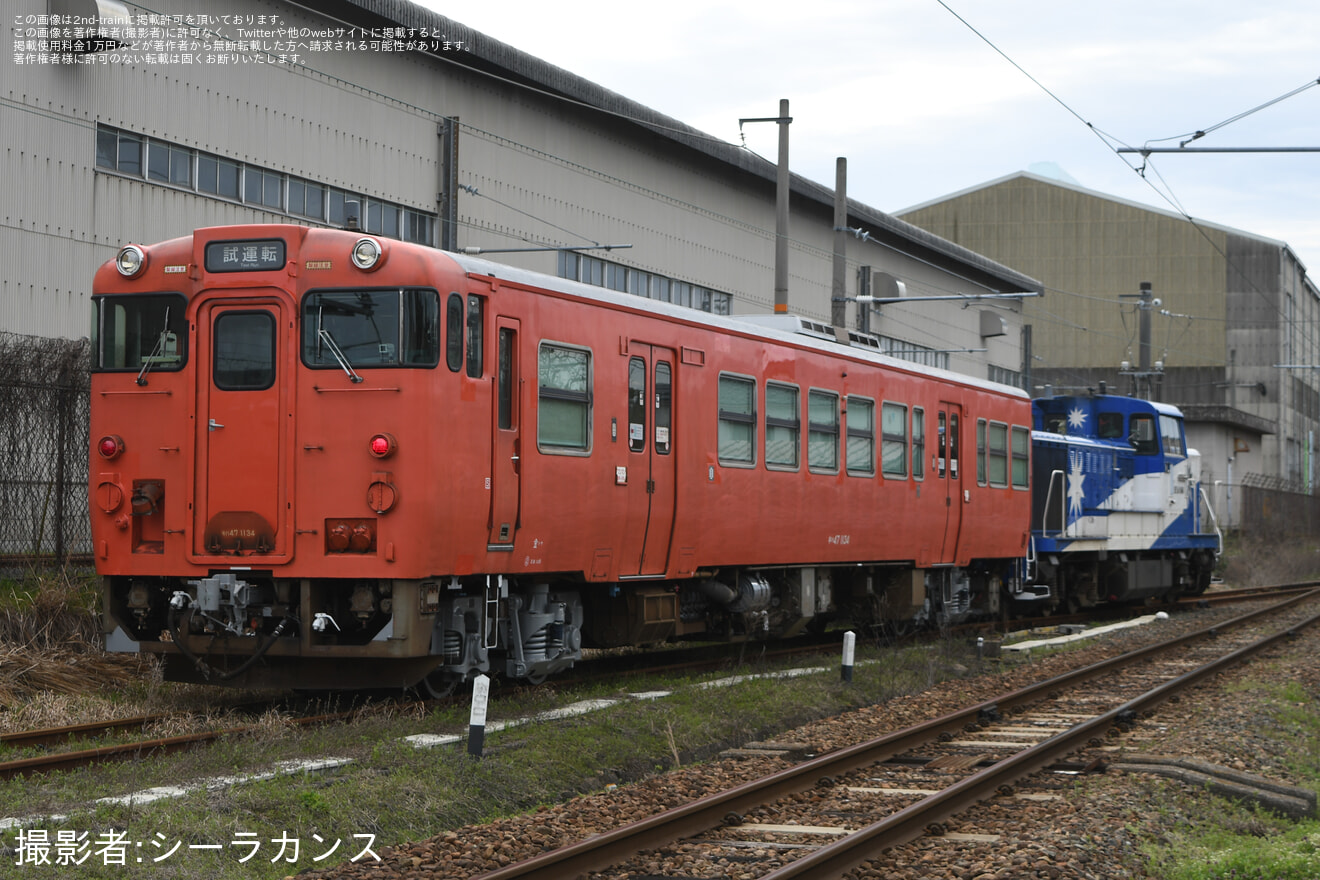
1231 337
206 117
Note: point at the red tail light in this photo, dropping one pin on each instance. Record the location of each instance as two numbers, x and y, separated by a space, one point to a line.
110 446
383 445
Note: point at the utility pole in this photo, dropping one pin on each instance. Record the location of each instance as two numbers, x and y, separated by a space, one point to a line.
781 213
838 305
1143 377
781 205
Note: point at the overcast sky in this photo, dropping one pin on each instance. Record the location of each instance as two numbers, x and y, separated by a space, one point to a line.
923 107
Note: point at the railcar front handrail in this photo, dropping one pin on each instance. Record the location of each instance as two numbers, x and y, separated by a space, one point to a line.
1045 510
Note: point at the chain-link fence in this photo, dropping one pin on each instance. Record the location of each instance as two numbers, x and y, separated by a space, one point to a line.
43 448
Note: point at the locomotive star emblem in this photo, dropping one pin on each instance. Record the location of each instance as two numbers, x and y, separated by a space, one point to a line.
1076 417
1076 479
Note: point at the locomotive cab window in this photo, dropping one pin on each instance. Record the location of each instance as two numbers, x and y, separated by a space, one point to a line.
133 333
1109 426
371 328
1171 434
1142 435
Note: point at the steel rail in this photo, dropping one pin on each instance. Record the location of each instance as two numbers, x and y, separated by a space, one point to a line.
911 822
56 735
610 847
165 745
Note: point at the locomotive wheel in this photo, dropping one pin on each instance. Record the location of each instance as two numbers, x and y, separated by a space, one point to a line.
439 684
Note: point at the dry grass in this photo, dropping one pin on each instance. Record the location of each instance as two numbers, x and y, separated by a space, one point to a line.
1252 562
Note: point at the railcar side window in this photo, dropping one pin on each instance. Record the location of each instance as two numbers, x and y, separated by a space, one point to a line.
1021 443
822 431
737 415
1171 434
475 325
664 407
132 332
918 443
454 332
637 405
861 436
893 442
980 452
371 328
1142 436
244 351
563 414
997 446
782 425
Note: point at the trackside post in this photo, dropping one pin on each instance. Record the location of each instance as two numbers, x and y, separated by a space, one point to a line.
477 719
849 649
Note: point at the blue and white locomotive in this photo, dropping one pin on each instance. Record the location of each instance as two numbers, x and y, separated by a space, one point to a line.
1118 514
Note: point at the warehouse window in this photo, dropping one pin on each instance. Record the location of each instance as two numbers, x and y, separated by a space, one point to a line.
1021 445
217 176
861 436
179 167
563 417
306 199
783 425
263 187
170 164
823 431
893 439
737 417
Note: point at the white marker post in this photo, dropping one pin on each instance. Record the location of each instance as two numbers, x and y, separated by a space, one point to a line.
477 720
849 649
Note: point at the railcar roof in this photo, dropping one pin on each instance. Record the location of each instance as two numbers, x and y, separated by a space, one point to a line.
721 323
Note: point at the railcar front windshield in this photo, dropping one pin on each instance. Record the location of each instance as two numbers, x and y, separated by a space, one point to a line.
139 331
371 328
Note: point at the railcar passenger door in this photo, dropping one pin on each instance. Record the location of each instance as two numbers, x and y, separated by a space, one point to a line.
243 387
650 468
506 437
949 473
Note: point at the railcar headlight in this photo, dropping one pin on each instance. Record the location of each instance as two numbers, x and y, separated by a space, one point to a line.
131 260
367 253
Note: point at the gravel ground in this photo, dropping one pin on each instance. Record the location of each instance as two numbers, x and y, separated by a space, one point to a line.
1092 827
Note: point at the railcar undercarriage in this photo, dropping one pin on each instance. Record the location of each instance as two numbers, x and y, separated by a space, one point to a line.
249 628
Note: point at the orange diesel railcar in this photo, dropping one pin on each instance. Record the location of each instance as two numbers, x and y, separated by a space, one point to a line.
326 459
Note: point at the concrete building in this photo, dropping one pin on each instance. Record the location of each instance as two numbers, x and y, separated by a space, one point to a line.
1225 309
192 115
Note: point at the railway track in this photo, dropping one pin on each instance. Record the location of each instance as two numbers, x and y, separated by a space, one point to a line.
832 813
681 660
